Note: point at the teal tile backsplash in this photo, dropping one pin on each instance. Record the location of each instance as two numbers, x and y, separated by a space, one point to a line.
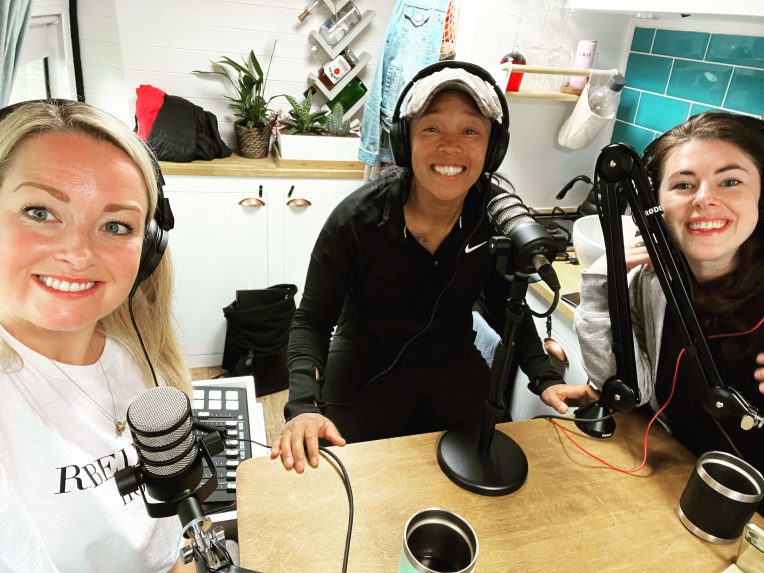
672 75
691 45
661 113
736 50
746 92
642 40
699 81
650 73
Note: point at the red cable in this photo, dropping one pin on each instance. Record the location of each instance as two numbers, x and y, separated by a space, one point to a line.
655 417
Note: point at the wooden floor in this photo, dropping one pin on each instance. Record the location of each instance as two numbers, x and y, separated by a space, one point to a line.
273 404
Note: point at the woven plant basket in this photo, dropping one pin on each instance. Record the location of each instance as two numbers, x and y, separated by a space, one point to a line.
253 141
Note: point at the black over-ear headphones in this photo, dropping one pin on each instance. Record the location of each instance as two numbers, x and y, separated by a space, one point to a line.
158 229
498 141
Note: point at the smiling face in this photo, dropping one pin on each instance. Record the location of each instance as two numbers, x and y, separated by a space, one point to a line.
72 212
710 193
448 146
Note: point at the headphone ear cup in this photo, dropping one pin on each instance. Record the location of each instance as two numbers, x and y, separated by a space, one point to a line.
154 244
498 143
399 142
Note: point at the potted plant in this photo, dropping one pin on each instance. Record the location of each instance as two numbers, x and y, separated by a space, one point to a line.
253 126
307 135
301 119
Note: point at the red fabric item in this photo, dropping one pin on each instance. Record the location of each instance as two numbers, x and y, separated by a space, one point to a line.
150 99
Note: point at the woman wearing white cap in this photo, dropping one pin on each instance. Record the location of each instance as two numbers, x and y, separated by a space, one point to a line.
397 268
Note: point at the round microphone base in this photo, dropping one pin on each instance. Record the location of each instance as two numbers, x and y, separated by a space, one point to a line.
599 429
499 472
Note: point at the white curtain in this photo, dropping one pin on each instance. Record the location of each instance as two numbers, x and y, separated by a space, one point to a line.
14 19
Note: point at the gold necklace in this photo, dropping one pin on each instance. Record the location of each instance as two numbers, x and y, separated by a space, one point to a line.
119 425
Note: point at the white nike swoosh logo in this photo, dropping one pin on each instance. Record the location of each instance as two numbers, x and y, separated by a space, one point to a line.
469 249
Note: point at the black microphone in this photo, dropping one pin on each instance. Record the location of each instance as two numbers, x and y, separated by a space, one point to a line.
164 438
534 247
170 468
170 456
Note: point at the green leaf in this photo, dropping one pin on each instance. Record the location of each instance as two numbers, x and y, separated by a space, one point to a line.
255 63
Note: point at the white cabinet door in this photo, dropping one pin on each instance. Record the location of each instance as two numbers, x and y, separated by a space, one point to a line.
302 224
218 246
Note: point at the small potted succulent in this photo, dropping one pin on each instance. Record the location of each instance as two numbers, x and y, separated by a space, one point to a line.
247 81
306 135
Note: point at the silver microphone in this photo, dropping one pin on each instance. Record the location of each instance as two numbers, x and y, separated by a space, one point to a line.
534 247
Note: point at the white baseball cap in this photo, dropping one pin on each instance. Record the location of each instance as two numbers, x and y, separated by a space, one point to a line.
420 96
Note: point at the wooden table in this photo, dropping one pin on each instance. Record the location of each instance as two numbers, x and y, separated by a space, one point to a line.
572 514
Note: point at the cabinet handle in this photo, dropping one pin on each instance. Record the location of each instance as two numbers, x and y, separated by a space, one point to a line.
252 202
298 202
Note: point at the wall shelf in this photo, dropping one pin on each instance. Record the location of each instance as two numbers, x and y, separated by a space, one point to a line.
554 96
363 59
334 51
335 6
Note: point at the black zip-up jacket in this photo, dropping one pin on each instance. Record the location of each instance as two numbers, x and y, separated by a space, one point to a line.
370 278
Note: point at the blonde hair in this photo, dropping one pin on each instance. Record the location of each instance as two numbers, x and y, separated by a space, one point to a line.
152 301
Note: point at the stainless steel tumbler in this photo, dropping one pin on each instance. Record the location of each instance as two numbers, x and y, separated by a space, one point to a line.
721 495
438 541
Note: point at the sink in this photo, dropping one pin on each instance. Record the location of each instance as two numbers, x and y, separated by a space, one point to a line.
588 240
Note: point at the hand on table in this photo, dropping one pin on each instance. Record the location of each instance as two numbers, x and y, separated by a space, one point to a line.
560 396
300 433
758 374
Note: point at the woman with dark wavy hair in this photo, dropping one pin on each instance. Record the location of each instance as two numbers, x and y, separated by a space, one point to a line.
708 174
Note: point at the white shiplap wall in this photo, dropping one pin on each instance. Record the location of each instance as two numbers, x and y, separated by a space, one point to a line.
125 43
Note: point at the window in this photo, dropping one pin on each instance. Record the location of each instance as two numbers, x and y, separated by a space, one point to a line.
31 81
45 64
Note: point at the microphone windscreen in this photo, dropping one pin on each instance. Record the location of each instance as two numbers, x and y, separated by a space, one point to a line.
506 211
161 425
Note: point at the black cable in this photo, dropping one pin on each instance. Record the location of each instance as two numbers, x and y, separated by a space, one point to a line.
569 419
429 322
140 338
351 508
348 489
549 310
345 478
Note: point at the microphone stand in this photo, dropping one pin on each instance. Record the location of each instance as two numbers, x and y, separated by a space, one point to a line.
481 459
620 170
207 546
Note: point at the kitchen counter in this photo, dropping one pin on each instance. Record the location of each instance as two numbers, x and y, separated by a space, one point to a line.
236 166
570 282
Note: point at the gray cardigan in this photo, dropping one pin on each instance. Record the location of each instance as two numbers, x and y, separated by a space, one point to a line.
592 326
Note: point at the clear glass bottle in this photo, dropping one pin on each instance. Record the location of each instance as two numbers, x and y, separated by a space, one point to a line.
306 12
333 30
516 58
604 100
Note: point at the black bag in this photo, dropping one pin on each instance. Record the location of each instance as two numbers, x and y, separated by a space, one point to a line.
257 335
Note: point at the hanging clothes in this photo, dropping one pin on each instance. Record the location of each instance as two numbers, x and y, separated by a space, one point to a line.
412 41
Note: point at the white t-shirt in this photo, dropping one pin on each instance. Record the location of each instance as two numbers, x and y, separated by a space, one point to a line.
59 505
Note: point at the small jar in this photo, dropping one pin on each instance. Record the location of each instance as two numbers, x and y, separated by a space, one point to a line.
332 72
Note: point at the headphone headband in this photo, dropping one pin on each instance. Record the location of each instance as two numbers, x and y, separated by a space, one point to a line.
498 141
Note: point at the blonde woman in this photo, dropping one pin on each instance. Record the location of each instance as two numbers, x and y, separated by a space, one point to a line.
77 191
